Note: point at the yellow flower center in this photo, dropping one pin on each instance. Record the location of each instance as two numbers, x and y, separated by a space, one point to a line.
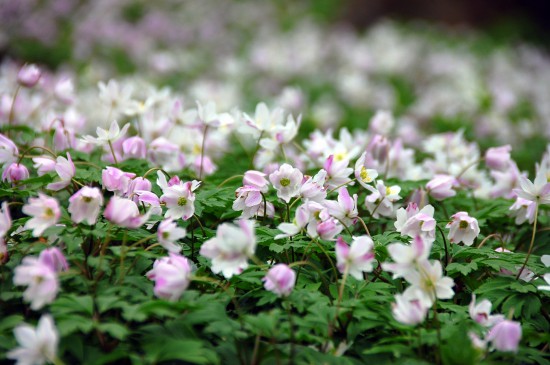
463 224
182 201
285 181
365 175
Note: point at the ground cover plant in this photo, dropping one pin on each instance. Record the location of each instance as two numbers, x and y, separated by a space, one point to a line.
256 213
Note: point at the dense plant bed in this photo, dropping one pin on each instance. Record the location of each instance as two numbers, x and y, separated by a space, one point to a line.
211 237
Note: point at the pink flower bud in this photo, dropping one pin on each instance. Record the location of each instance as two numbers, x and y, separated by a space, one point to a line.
256 179
85 204
29 75
134 147
15 172
54 258
116 180
328 229
498 158
505 336
280 279
379 149
441 187
171 276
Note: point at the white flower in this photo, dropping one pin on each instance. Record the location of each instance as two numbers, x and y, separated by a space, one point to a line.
406 258
537 191
408 309
463 228
179 199
104 136
168 233
412 222
546 278
480 312
362 174
231 248
84 205
355 259
287 180
429 279
5 219
36 346
45 213
66 170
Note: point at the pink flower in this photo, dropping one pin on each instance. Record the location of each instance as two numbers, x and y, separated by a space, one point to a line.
54 258
378 150
179 199
498 158
480 312
408 309
355 259
407 258
116 180
505 336
441 187
66 170
8 150
171 276
280 279
84 205
5 219
256 179
45 212
36 346
249 199
134 147
231 248
523 210
29 75
287 180
412 222
328 229
166 154
313 187
168 233
337 172
15 172
44 164
463 228
41 280
125 213
345 209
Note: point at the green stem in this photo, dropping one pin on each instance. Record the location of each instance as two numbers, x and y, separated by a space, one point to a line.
532 240
12 110
228 180
445 245
112 152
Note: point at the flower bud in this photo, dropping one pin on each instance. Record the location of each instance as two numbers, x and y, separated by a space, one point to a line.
29 75
134 147
498 158
15 172
280 279
505 336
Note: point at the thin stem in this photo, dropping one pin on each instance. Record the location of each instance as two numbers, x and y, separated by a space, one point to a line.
291 331
328 257
497 235
123 250
467 167
445 245
339 186
200 224
345 227
228 180
314 267
438 330
112 152
532 240
364 226
86 163
375 209
157 169
32 148
202 150
256 149
12 110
